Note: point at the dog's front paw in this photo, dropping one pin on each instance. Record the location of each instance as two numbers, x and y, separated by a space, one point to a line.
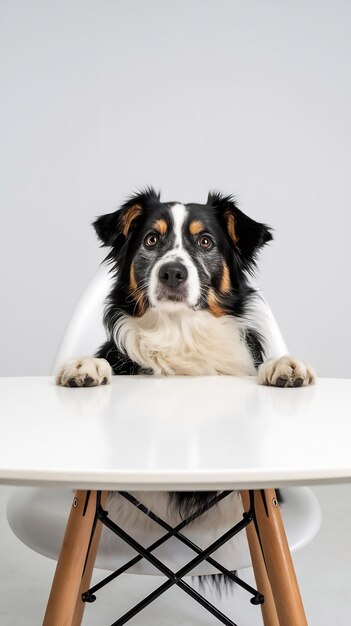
84 372
285 372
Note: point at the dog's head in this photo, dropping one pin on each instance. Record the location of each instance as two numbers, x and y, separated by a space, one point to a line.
170 254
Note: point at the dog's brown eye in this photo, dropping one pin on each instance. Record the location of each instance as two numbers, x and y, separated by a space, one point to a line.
205 242
151 240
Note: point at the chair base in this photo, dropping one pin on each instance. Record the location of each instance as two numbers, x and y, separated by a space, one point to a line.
270 552
38 517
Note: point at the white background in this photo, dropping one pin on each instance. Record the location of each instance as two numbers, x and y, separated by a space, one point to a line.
99 98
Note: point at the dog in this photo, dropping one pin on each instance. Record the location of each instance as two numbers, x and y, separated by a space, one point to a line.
183 303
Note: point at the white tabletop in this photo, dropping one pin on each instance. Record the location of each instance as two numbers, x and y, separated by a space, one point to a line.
174 433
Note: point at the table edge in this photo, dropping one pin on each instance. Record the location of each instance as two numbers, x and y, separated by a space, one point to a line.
173 481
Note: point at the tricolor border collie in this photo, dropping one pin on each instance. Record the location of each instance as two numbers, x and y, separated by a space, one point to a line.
182 303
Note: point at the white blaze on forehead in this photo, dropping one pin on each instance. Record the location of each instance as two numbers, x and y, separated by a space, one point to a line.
179 214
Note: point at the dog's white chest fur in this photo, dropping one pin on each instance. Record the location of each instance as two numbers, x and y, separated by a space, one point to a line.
184 342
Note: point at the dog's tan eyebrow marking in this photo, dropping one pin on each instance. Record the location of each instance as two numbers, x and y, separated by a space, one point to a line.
214 305
225 284
129 217
195 227
161 226
231 226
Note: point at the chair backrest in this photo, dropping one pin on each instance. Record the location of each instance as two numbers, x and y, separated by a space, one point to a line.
85 331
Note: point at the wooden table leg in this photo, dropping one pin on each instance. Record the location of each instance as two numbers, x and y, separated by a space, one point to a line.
269 613
279 564
63 605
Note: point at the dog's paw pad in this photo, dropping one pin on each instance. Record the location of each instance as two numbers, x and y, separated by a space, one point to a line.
89 381
281 381
285 372
298 382
71 383
84 372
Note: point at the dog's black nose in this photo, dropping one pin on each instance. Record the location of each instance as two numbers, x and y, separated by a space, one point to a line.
173 274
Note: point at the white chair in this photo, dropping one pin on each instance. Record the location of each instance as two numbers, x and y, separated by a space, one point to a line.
38 516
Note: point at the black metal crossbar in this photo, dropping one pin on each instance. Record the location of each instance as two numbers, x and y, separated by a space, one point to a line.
173 532
174 578
89 597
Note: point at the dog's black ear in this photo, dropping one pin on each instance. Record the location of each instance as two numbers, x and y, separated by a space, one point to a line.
114 228
245 235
